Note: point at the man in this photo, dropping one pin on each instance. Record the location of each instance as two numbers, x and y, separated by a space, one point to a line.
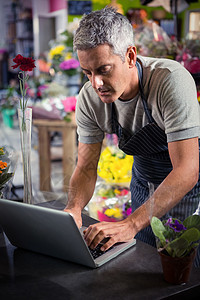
151 104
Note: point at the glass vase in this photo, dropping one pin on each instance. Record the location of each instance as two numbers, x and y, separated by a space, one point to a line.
25 126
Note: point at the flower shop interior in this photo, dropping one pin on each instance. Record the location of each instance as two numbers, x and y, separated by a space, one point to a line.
43 30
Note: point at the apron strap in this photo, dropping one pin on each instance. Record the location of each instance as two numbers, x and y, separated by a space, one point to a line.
140 75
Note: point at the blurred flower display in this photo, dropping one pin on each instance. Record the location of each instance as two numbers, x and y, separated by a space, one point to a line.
110 203
115 166
188 54
61 55
111 200
152 40
5 176
9 100
56 52
70 66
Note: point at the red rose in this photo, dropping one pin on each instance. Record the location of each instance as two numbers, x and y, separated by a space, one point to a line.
24 63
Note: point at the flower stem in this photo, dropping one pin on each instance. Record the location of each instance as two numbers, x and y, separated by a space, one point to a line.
22 80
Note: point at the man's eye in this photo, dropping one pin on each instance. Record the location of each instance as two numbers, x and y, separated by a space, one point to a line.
87 73
105 71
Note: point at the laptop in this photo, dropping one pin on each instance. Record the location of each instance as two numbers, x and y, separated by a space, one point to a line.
51 232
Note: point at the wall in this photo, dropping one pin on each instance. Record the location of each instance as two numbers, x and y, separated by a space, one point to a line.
55 5
49 20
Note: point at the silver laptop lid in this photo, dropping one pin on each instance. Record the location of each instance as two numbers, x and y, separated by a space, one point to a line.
51 232
44 230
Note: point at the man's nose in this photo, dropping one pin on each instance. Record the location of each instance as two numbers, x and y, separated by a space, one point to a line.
97 81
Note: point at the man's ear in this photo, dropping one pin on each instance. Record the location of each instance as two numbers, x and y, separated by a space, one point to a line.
131 56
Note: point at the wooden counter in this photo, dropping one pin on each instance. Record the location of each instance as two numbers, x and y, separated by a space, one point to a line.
68 130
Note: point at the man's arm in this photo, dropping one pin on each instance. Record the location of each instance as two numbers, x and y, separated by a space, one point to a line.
82 182
185 161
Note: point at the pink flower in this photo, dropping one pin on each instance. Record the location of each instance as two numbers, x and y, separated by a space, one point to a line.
124 192
69 104
186 56
193 65
69 64
129 211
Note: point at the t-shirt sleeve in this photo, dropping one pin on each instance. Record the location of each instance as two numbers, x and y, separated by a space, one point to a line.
180 109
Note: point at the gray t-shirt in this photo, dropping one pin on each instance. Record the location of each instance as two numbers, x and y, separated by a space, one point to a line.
171 97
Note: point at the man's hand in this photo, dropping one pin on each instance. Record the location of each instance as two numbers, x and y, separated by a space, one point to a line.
76 215
121 231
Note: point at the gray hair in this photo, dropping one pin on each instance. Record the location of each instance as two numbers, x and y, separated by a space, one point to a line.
104 26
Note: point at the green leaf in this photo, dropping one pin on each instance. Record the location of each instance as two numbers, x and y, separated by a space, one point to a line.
177 247
25 91
26 103
158 229
183 245
192 221
191 235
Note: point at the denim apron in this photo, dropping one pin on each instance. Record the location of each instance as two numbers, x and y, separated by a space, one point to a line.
151 165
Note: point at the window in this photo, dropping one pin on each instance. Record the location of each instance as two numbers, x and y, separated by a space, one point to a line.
194 25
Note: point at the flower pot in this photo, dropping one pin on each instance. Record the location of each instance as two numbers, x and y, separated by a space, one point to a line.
176 270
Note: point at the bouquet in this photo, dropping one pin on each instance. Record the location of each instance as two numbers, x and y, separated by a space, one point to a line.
5 176
115 166
61 56
176 238
110 203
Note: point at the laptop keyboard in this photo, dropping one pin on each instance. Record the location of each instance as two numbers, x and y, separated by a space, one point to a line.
97 252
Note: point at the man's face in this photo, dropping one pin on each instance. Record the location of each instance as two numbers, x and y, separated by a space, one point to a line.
108 74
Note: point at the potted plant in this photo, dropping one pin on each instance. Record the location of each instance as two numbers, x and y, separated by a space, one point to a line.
176 243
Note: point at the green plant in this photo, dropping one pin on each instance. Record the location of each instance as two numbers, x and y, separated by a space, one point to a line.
177 238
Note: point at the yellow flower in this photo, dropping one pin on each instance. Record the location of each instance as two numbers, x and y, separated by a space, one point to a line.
115 166
113 212
57 50
68 56
116 191
1 151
